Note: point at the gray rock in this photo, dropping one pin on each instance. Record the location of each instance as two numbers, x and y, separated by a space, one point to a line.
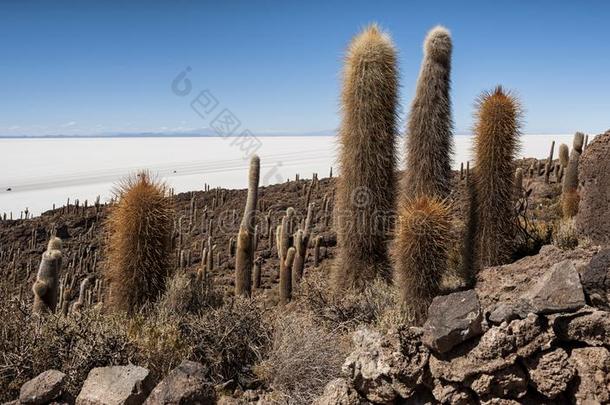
385 368
509 311
116 385
586 326
595 279
452 319
497 349
558 290
339 392
186 384
550 372
593 368
43 388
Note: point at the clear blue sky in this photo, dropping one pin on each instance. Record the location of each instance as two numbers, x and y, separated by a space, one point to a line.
102 66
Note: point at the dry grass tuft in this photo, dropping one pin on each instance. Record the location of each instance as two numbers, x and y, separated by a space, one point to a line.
139 246
566 236
303 358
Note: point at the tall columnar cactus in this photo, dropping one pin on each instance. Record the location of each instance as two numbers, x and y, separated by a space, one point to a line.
421 252
139 243
46 286
564 155
569 194
244 256
367 159
285 276
496 143
429 133
301 242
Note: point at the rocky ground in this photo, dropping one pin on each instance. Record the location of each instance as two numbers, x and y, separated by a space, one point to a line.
533 331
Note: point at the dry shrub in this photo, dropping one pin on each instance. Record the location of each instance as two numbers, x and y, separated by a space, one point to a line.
303 358
31 344
139 244
186 294
228 340
345 311
566 235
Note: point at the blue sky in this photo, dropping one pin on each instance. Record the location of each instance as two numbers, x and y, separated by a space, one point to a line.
83 67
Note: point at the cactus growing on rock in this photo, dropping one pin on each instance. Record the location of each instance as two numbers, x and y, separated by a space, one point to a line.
429 133
496 143
46 286
244 256
139 243
367 138
421 252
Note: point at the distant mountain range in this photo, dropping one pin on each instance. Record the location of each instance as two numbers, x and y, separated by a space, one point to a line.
202 132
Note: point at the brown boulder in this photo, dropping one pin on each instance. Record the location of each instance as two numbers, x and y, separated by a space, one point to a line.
43 388
593 218
595 279
116 385
550 372
588 326
593 368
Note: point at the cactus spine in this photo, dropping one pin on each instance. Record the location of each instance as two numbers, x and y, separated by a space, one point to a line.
367 159
244 256
139 244
420 252
569 194
46 286
429 138
496 143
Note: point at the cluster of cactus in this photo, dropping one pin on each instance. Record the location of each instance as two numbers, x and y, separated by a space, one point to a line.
569 194
139 243
244 256
46 286
367 159
301 242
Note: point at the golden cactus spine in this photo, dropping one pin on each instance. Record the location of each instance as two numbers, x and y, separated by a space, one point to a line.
139 242
420 252
367 159
496 142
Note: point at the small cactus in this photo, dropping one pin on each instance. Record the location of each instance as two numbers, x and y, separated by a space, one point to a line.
286 276
564 155
569 194
46 286
421 251
244 255
301 242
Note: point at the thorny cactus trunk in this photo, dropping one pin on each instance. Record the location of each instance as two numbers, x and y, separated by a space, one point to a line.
46 286
367 139
495 145
429 133
569 194
244 256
